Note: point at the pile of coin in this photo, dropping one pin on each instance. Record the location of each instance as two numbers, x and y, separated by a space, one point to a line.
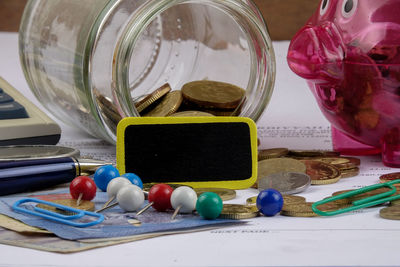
285 170
197 98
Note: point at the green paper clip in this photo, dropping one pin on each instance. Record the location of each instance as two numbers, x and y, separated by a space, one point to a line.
362 203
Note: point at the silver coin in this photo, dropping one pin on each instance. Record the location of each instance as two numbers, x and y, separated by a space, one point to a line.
285 182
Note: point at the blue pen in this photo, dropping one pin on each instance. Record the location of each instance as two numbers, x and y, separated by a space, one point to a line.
27 175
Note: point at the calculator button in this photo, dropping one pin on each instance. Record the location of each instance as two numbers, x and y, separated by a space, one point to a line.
12 110
4 98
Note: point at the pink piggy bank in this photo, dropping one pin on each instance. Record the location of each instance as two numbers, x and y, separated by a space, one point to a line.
349 53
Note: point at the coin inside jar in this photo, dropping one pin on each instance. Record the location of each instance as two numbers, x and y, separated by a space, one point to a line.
153 97
213 94
169 104
192 113
285 182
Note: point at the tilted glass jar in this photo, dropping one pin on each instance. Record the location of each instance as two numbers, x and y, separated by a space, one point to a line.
89 61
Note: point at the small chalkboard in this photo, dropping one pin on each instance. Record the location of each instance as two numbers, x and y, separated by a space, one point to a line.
196 151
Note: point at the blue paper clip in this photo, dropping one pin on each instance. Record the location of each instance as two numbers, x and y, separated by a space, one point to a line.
57 217
362 203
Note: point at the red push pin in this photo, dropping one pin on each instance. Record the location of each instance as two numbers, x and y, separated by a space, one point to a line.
82 187
159 197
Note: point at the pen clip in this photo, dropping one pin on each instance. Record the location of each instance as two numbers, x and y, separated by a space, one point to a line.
57 217
361 203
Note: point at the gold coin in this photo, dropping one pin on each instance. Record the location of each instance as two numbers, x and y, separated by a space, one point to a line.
391 213
321 173
238 212
270 166
272 153
332 160
224 193
287 200
213 94
251 201
219 112
349 200
298 214
168 105
313 153
153 97
350 172
292 200
389 177
192 113
352 163
107 107
84 205
299 210
395 202
298 207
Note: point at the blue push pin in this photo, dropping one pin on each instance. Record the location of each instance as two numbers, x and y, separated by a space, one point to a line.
269 202
104 175
134 179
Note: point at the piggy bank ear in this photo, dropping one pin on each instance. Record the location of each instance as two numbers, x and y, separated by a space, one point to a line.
349 7
324 7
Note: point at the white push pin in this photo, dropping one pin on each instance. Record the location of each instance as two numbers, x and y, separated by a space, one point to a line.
130 197
113 187
183 200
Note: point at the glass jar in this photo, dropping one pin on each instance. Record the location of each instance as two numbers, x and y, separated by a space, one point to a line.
88 62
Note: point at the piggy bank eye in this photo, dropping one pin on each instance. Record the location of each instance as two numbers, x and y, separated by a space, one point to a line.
349 8
324 7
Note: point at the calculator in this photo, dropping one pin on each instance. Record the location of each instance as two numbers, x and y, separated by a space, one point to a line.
21 122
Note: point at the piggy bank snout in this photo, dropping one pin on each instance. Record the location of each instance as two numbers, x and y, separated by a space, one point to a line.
317 52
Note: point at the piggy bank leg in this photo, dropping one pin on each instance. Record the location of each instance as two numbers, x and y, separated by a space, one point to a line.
348 146
391 148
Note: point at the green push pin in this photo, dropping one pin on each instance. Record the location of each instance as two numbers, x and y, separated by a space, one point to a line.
209 205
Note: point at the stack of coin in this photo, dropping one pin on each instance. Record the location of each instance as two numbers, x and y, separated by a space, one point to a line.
285 182
391 213
324 167
348 166
388 177
238 212
295 206
349 200
272 153
278 165
321 173
312 153
299 210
